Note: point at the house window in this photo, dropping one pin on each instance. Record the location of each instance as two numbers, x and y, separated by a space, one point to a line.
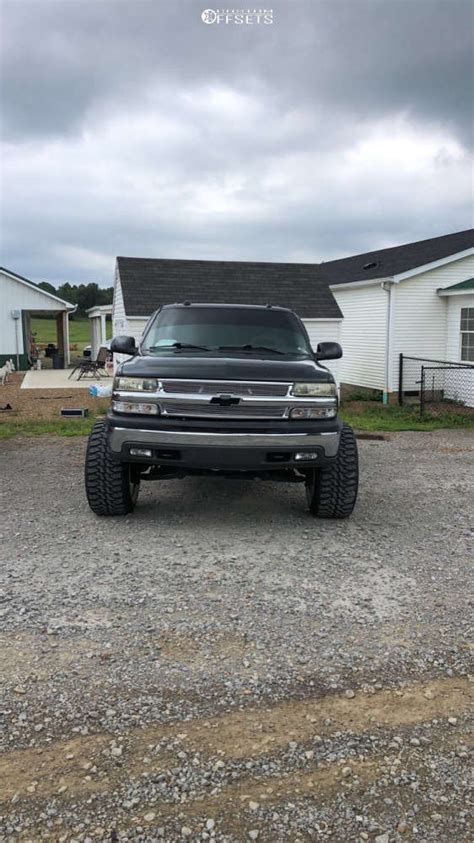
467 334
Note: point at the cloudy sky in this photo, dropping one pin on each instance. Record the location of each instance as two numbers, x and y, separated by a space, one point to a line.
130 127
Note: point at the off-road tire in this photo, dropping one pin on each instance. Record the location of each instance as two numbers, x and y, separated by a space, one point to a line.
111 486
331 492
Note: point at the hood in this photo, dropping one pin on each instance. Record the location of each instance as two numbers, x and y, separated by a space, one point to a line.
221 367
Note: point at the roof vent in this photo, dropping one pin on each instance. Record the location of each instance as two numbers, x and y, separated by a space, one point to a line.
371 265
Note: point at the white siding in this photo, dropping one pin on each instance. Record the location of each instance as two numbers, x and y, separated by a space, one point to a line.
119 318
123 323
16 295
453 325
362 335
420 314
459 388
136 327
325 331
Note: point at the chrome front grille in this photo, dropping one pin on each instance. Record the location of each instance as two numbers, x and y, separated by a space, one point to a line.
236 411
240 388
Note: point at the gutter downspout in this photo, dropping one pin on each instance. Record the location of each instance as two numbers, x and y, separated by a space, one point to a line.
387 286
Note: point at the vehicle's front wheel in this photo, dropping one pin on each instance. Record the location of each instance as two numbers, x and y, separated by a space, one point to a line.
331 491
111 487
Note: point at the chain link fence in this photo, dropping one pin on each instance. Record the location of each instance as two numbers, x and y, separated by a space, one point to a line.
434 382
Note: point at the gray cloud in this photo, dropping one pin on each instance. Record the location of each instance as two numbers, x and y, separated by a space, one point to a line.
132 127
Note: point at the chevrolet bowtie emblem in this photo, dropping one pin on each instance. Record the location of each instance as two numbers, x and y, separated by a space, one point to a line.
225 400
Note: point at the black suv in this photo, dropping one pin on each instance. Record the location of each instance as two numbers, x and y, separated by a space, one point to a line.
233 390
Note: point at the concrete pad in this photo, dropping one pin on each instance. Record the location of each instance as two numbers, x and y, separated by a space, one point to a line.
58 379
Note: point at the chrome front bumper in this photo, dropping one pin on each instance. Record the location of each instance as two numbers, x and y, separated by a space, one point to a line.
118 437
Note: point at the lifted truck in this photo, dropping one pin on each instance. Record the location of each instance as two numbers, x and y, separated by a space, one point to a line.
223 390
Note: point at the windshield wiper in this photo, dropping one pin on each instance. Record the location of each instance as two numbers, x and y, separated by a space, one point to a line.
249 347
179 346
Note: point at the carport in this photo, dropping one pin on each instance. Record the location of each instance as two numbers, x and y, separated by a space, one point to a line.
20 300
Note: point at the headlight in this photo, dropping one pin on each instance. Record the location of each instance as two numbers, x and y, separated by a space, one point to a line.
125 384
131 407
314 390
313 413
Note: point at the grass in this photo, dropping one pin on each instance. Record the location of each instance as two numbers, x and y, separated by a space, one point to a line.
392 418
56 427
370 418
365 395
79 331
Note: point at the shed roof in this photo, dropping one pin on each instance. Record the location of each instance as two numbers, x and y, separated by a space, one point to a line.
384 263
468 284
148 283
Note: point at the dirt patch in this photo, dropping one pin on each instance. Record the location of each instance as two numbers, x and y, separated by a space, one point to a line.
231 736
38 404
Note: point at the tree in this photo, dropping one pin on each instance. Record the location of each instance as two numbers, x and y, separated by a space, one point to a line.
106 295
83 295
68 292
45 285
87 296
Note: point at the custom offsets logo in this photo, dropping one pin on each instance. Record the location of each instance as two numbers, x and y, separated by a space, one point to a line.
237 16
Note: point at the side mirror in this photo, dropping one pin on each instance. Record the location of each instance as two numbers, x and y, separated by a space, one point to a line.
123 345
328 351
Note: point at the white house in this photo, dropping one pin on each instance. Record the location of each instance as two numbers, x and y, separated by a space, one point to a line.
416 299
20 299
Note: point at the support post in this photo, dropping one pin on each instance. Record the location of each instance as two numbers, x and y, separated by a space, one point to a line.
67 352
400 379
60 335
103 330
422 392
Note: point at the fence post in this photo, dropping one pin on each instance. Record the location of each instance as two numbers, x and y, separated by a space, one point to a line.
400 379
422 391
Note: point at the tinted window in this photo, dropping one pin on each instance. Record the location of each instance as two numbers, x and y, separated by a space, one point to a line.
222 328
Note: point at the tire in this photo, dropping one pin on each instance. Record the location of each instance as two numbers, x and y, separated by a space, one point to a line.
331 492
111 487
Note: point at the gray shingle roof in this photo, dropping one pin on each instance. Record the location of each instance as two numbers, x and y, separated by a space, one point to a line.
148 283
397 259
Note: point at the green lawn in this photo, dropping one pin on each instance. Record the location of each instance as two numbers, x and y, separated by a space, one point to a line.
79 331
392 418
56 427
371 417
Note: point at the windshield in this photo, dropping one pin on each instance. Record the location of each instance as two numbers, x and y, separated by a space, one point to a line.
226 329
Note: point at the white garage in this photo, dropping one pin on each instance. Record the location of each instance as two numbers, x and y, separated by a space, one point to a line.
20 299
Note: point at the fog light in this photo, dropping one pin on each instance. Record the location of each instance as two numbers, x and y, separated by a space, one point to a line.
308 455
141 452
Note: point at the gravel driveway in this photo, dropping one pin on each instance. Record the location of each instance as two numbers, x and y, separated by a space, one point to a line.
220 666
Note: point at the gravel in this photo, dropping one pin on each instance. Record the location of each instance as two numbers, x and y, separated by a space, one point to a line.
220 666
